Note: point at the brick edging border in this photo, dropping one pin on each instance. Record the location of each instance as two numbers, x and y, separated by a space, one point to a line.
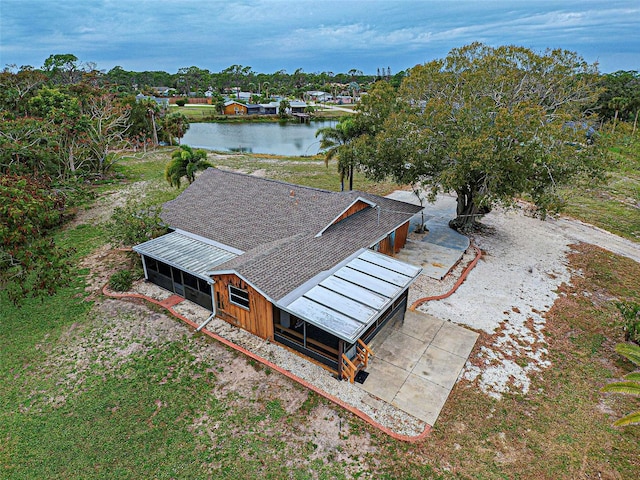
459 282
286 373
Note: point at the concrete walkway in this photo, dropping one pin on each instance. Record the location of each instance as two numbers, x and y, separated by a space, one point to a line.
441 247
417 364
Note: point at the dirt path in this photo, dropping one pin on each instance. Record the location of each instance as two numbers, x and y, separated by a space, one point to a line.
585 233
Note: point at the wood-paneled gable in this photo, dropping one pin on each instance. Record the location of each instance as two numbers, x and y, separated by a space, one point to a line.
354 208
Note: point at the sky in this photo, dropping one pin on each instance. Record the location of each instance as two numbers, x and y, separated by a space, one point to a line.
314 35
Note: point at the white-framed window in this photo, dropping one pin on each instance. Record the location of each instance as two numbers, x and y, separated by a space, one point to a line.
239 297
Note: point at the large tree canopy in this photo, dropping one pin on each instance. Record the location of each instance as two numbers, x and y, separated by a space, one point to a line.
491 124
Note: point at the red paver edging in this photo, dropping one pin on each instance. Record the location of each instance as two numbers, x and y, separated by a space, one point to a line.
286 373
462 278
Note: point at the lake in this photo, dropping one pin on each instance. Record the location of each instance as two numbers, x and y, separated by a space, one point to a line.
272 138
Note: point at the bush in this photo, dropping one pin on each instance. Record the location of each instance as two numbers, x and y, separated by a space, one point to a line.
181 102
121 281
135 223
631 316
30 261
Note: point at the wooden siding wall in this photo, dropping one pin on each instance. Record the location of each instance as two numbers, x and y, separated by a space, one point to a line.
401 236
356 207
385 246
258 319
231 109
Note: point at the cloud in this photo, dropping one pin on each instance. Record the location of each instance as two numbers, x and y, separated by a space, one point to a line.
316 35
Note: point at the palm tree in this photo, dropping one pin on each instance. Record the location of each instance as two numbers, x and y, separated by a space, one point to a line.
631 385
174 125
285 105
334 142
185 162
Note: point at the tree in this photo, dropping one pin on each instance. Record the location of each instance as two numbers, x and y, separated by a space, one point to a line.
283 110
16 88
64 112
26 146
108 122
491 124
142 118
63 68
174 126
185 162
620 96
335 142
631 385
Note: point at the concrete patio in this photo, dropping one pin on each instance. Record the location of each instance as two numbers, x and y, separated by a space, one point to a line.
417 364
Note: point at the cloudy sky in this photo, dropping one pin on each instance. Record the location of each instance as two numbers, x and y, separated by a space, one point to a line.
315 35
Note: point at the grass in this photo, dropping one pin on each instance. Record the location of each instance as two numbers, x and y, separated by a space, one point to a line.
614 205
74 406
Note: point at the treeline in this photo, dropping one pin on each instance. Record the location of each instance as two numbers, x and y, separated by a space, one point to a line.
66 120
196 81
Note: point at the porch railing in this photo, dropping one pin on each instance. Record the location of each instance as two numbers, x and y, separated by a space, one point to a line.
350 368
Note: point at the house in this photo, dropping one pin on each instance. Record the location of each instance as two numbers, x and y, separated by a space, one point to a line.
161 101
270 108
319 96
231 107
309 269
298 106
253 109
161 91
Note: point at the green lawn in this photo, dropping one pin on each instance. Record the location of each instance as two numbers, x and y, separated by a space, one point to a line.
614 205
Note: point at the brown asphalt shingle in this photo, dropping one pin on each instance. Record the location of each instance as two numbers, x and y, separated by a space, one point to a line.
275 224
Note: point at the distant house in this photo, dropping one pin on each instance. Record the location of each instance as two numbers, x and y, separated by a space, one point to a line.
309 269
253 109
162 101
231 107
161 91
319 96
270 108
297 106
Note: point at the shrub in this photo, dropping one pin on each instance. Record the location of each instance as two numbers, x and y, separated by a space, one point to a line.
135 223
181 102
30 261
631 320
121 281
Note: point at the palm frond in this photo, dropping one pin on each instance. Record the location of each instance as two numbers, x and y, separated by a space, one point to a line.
631 419
630 351
630 388
633 377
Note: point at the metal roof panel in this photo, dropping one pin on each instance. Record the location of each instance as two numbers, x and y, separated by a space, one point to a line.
186 253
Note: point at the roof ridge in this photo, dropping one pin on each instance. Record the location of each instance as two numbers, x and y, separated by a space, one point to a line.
281 182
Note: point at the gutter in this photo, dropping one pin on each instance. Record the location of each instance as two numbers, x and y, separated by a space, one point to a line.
204 324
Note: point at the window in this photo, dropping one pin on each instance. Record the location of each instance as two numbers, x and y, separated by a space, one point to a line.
190 280
204 287
239 297
151 264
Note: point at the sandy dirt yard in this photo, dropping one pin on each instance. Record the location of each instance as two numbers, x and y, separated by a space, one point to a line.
509 291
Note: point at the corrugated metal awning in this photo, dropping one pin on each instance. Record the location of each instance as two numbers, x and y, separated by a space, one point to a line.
185 252
353 297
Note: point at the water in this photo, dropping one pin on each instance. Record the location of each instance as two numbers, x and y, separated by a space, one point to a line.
272 138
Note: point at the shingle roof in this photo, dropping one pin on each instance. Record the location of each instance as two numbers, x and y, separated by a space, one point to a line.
275 225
